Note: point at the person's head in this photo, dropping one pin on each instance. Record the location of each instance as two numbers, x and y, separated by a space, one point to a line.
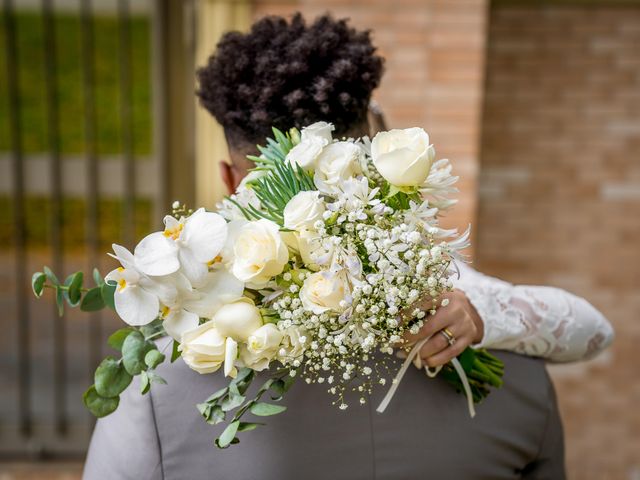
288 74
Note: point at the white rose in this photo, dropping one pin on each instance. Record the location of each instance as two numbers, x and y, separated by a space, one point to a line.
203 348
293 345
238 320
306 152
319 129
303 210
338 161
262 347
403 157
259 252
324 291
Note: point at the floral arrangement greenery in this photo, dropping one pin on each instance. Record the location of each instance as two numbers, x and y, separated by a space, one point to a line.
310 271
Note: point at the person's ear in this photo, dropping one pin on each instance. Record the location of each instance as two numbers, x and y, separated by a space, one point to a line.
231 176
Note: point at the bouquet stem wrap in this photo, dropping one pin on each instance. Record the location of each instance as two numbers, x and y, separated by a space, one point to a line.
430 373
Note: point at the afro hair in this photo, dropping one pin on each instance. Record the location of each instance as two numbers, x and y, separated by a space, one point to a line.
287 74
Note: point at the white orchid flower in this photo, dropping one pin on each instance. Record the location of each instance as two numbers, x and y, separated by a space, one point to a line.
137 297
190 244
221 287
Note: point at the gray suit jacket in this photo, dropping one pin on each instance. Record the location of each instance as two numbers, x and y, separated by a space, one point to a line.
426 432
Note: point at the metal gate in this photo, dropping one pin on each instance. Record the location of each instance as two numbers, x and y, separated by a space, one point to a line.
89 97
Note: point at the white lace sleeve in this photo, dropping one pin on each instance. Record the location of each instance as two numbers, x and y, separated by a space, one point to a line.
537 321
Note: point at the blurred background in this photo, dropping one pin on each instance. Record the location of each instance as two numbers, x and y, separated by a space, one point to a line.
537 103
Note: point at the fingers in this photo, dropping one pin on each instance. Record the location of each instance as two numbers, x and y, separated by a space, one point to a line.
449 353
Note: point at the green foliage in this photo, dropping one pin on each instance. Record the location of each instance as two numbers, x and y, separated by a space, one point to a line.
234 396
99 406
134 350
73 292
229 434
153 358
111 378
92 301
108 290
175 352
117 338
281 182
37 283
266 409
483 370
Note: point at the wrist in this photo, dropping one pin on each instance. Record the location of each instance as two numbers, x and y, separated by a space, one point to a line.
475 318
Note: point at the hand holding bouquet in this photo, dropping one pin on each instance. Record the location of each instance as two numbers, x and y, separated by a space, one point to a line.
309 271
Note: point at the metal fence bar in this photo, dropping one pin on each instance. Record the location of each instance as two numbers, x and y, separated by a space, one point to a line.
126 121
91 152
19 229
53 121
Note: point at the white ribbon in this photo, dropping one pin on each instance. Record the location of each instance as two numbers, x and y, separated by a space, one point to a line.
410 358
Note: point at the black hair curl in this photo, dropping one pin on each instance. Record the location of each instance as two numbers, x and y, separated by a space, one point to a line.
286 74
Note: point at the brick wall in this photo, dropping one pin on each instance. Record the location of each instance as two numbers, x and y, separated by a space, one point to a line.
560 199
434 52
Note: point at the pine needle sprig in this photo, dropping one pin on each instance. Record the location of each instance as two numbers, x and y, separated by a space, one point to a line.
282 180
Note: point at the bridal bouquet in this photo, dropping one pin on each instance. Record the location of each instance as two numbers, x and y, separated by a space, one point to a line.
309 271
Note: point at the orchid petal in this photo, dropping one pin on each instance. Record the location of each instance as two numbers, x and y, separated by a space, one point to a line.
179 322
204 234
193 269
136 306
220 287
124 256
156 255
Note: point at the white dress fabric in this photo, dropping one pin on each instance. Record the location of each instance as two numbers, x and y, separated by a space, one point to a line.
536 321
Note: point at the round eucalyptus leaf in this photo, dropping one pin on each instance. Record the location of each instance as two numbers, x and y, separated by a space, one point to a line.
74 284
97 405
153 358
111 378
37 283
92 301
134 349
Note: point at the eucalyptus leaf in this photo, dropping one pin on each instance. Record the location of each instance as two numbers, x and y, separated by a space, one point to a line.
108 290
145 383
263 409
37 283
92 301
97 277
60 300
216 415
219 394
74 291
117 338
51 276
97 405
248 426
155 378
175 353
134 349
111 379
228 435
233 400
153 358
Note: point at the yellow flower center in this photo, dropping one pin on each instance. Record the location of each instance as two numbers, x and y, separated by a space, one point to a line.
122 284
173 233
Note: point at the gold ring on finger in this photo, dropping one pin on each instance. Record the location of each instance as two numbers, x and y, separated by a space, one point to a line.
446 333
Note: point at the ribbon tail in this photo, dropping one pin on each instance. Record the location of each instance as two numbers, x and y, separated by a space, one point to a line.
396 381
431 373
465 384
